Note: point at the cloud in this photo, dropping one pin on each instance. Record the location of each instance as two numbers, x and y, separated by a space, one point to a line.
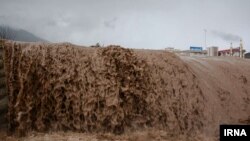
150 24
111 23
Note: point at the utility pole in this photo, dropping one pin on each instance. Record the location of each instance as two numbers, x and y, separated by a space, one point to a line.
241 49
231 49
205 31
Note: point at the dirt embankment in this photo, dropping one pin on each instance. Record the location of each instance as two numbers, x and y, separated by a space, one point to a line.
225 83
63 87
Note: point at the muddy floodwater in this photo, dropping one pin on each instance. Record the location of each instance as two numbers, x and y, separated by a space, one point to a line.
68 92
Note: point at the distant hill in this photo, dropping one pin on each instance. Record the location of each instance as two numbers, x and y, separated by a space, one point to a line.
10 33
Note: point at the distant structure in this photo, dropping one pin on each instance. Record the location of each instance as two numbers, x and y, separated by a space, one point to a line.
247 55
212 51
196 51
171 49
238 51
193 51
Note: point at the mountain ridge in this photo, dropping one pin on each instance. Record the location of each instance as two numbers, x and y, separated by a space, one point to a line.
11 33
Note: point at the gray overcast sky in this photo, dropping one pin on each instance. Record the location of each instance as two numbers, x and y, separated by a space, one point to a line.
154 24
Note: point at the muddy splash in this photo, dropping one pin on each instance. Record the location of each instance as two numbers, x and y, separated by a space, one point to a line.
61 87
